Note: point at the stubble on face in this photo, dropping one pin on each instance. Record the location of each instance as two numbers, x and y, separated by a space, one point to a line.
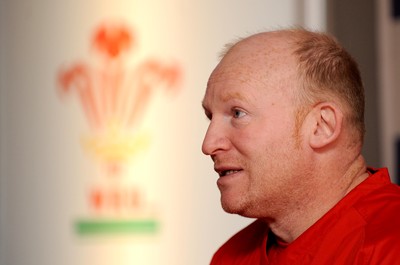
271 173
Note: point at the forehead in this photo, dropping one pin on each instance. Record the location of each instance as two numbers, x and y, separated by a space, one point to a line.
252 69
228 84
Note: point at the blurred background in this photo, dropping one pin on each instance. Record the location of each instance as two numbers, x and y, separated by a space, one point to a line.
101 122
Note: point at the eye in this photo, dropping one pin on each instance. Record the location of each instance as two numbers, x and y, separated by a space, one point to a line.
237 113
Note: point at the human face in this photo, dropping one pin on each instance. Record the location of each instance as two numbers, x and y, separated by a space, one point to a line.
250 137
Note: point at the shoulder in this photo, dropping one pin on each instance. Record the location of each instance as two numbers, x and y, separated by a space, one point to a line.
242 244
380 203
384 217
380 210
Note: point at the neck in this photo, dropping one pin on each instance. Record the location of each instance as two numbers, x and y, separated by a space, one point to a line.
330 188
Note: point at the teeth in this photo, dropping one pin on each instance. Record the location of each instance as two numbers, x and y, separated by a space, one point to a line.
228 172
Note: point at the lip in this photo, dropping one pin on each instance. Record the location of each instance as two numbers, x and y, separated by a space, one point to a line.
227 180
224 171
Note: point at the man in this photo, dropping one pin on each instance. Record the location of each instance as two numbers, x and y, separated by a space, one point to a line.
286 111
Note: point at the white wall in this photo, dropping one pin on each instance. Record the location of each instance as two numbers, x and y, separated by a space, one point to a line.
44 170
315 14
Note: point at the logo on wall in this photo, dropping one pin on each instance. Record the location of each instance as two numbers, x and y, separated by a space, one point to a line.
114 98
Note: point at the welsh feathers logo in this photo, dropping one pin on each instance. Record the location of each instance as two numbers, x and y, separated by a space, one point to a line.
114 98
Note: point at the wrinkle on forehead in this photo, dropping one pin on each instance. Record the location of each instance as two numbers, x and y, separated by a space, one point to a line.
226 95
230 95
241 74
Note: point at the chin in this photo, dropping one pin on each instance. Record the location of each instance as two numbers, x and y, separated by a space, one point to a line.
234 207
241 208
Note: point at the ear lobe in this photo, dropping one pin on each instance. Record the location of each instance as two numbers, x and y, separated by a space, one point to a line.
327 125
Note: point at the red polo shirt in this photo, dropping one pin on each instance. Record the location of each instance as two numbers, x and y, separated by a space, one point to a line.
362 228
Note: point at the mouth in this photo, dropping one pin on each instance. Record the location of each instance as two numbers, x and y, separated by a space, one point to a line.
227 172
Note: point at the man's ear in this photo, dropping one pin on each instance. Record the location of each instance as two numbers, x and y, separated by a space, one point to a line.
327 124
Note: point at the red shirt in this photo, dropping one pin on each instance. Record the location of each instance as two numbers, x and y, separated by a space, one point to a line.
362 228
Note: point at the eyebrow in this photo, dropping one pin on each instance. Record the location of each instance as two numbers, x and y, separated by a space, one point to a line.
233 95
226 97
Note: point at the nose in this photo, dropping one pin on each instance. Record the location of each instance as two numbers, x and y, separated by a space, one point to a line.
215 139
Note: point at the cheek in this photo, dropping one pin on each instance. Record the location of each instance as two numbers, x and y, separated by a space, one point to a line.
265 141
274 154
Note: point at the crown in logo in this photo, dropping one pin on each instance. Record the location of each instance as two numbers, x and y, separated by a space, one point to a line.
114 97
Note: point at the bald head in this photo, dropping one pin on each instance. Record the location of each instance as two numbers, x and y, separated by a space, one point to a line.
267 57
321 68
